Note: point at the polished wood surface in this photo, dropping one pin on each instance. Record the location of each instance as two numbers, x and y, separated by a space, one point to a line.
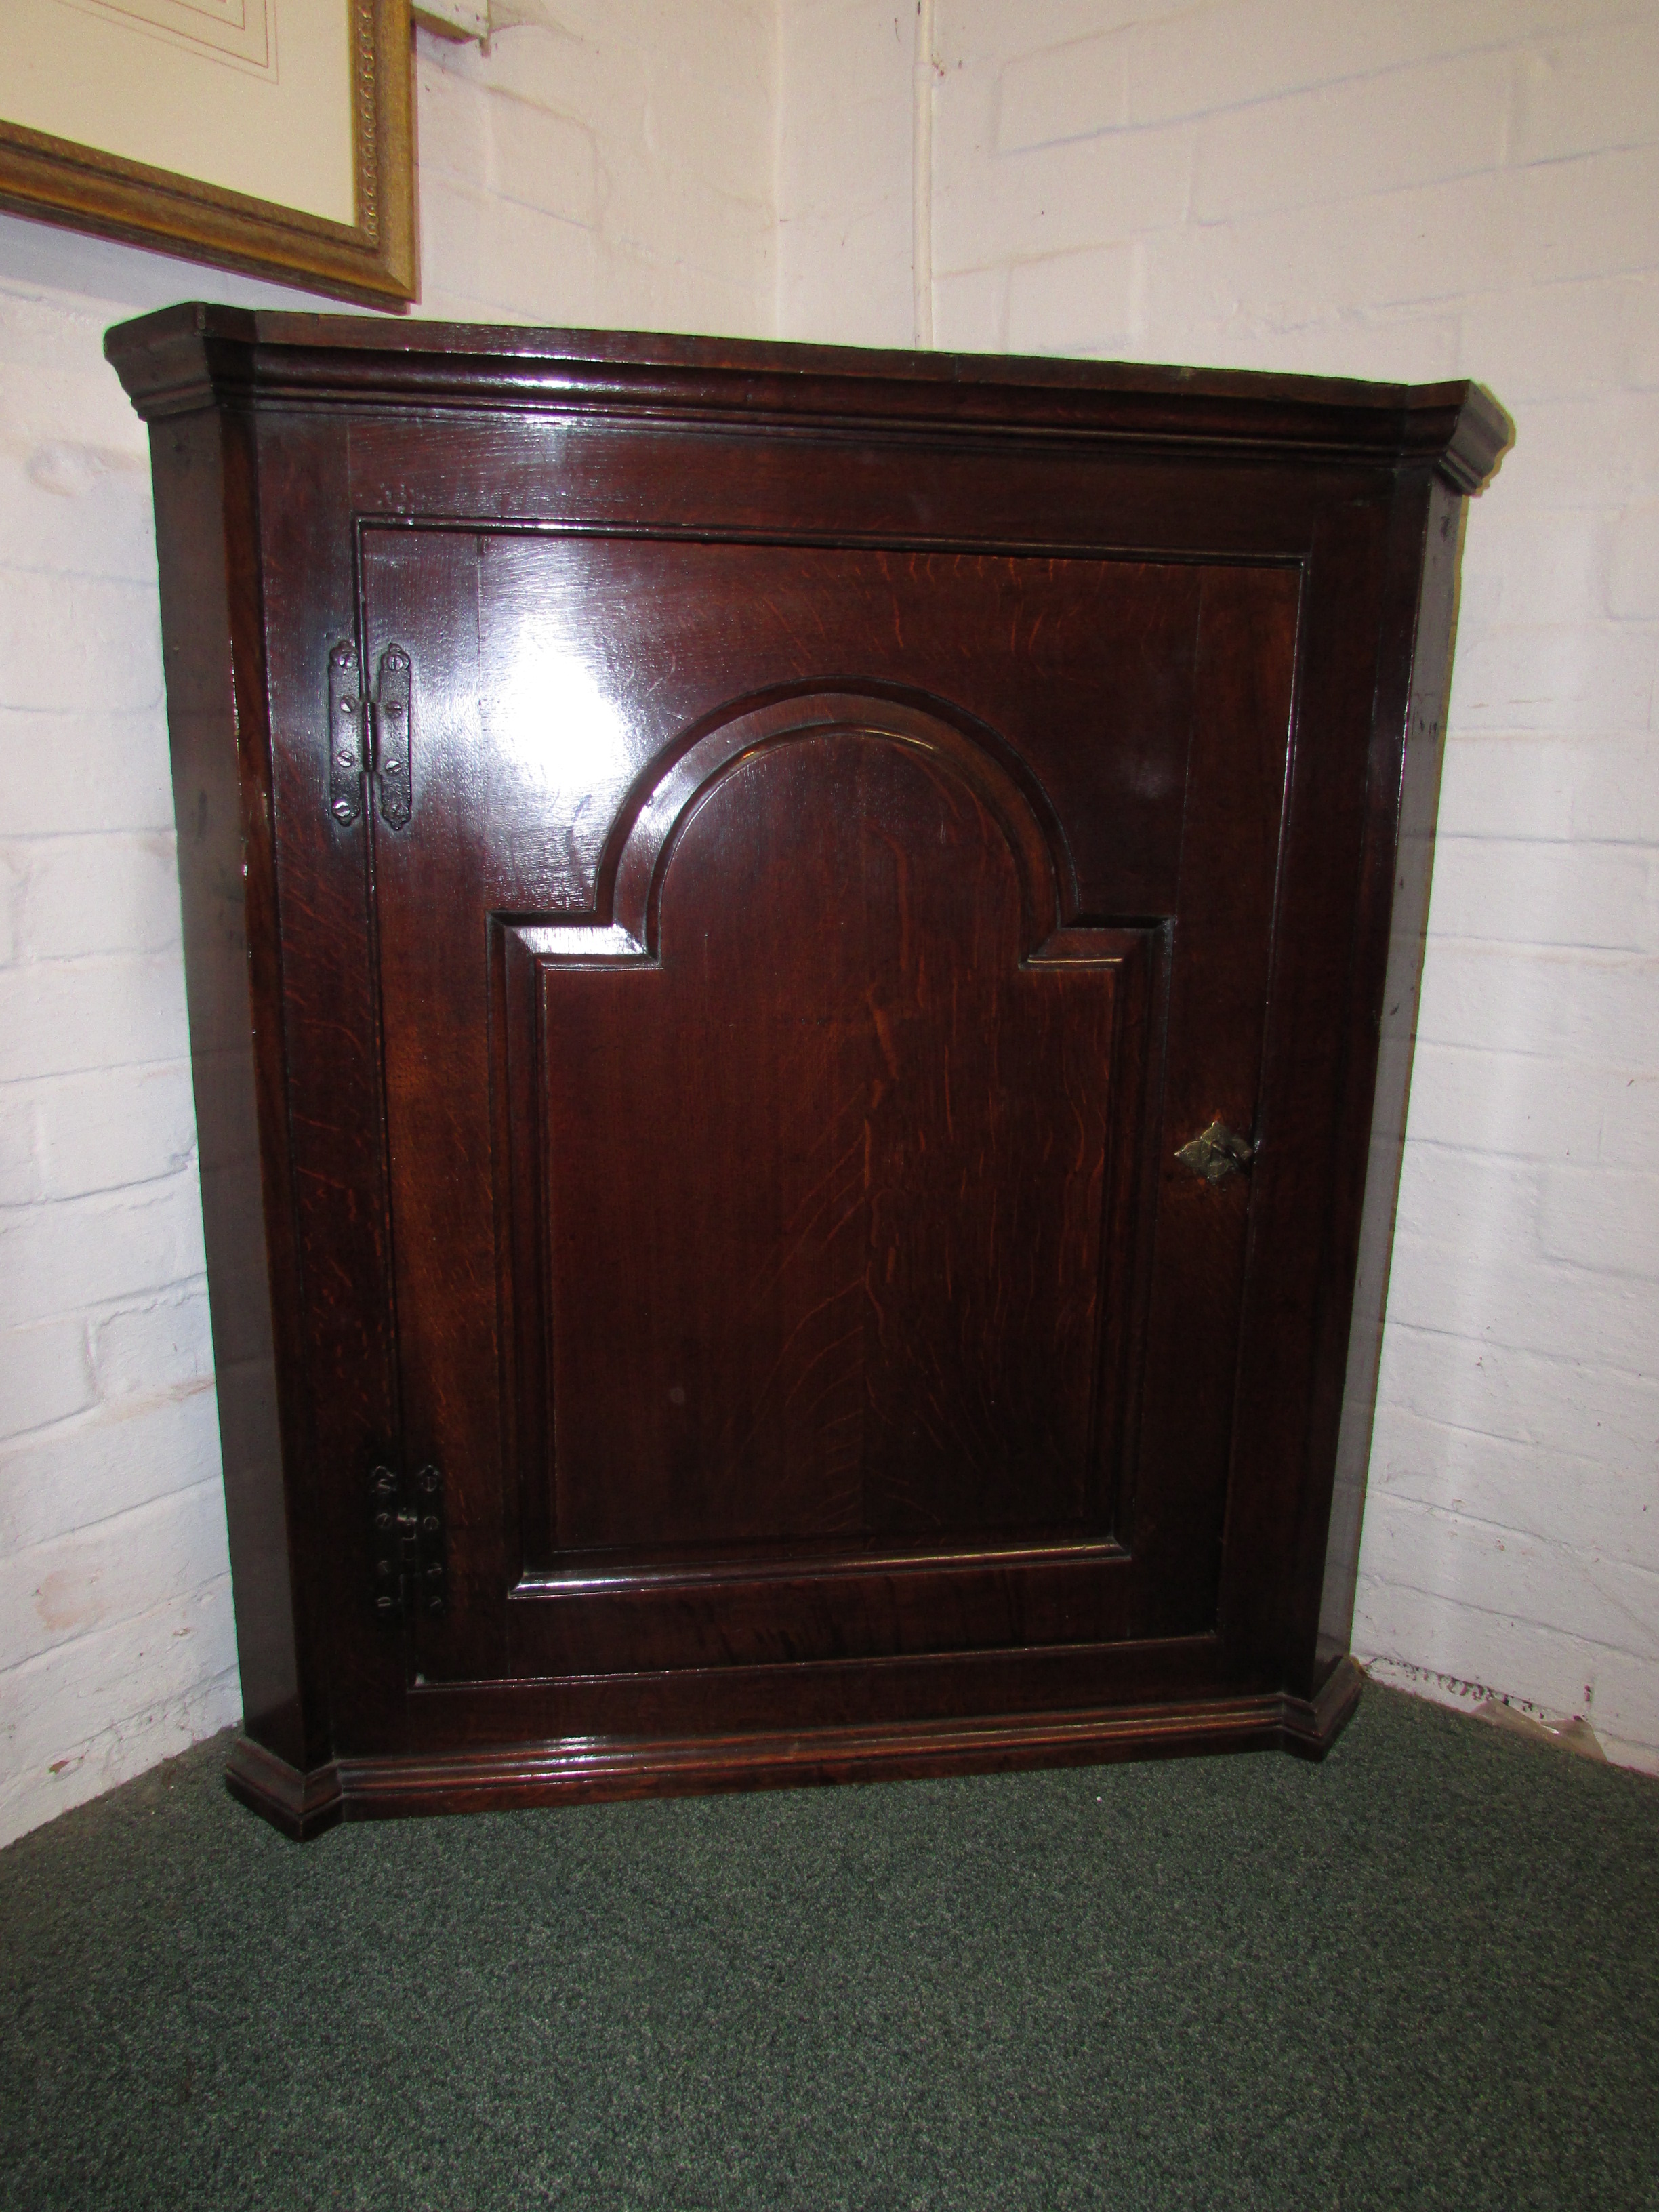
734 1094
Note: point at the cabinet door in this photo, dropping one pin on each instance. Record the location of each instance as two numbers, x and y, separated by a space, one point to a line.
801 971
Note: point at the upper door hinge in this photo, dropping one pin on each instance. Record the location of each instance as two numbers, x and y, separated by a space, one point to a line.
391 738
345 734
348 719
410 1567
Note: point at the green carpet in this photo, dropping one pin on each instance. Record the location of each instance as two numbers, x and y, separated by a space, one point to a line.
1426 1973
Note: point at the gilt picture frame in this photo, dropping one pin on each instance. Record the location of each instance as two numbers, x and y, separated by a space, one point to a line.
272 136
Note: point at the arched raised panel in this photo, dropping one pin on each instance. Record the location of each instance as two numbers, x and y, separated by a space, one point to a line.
822 1177
645 834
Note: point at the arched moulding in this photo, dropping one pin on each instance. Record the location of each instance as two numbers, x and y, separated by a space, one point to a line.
870 1018
649 831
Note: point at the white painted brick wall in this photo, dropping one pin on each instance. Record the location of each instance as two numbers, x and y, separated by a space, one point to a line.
609 164
843 172
1414 189
1418 188
616 170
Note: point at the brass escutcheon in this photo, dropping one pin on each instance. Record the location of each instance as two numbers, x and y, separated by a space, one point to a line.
1217 1153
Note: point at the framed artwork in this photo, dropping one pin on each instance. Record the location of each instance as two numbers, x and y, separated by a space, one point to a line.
275 137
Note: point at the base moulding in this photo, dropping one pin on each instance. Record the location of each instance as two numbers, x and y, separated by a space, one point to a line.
587 1770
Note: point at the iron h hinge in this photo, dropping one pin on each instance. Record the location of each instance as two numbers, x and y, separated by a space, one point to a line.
348 715
410 1570
392 735
345 734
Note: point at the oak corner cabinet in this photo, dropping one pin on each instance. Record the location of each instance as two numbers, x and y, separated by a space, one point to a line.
801 971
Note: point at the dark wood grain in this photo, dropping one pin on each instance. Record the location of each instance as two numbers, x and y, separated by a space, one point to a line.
720 1098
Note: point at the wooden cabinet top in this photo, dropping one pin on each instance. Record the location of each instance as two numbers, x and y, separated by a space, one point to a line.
186 357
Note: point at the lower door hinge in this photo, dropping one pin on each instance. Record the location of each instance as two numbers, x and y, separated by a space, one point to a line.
410 1569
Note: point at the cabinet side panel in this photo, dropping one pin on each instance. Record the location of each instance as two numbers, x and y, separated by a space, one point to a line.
1431 532
335 1130
1309 1167
212 643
